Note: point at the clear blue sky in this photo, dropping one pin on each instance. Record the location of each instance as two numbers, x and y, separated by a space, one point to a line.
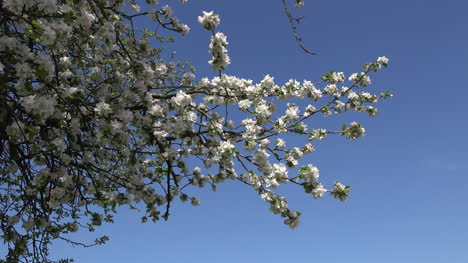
408 174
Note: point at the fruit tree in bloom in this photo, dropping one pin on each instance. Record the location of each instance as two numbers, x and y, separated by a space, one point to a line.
93 117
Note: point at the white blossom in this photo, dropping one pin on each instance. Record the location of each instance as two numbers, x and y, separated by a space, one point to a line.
382 60
245 104
209 21
167 10
135 8
280 143
182 99
292 112
319 191
309 173
218 49
102 108
226 147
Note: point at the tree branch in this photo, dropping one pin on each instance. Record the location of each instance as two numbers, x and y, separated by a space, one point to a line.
293 21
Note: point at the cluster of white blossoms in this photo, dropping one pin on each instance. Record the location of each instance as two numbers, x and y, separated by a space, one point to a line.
95 118
209 21
218 49
218 43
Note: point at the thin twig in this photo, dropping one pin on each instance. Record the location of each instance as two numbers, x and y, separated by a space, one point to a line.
293 21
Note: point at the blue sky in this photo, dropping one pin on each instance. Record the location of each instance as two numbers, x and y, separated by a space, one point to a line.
408 174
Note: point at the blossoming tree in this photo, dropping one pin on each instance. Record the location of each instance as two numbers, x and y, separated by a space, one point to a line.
94 118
